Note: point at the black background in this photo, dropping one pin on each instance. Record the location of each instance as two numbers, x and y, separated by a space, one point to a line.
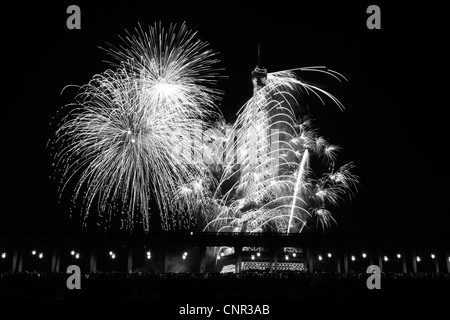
394 126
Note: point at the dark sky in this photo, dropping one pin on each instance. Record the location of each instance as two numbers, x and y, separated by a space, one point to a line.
394 127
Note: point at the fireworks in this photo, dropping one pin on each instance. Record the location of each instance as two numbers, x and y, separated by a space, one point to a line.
134 133
275 187
142 131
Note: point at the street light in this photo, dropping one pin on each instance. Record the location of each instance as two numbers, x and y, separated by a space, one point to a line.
4 255
77 256
418 259
41 255
364 255
353 258
329 255
386 258
33 252
72 253
399 255
433 256
320 258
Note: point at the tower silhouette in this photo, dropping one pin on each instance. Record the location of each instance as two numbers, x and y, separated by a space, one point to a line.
259 74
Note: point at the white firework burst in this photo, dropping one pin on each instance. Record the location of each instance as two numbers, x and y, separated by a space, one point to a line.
274 189
135 132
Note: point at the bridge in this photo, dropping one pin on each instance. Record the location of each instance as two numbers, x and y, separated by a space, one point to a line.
166 252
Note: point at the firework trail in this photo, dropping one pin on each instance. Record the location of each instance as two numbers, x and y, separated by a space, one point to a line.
298 184
275 189
135 132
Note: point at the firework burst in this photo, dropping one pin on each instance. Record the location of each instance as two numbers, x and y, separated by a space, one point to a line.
275 188
135 131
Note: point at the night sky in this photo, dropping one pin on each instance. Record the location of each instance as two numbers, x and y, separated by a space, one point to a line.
394 127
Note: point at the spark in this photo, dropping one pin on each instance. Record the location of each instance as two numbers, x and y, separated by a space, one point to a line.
323 217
